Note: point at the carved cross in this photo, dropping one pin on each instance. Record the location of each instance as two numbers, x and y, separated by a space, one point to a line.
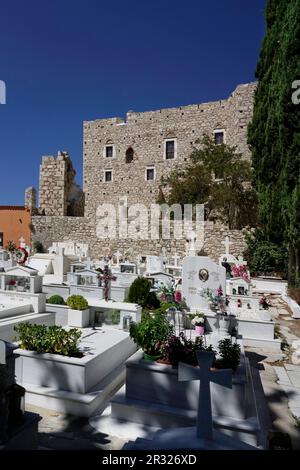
206 375
227 244
106 277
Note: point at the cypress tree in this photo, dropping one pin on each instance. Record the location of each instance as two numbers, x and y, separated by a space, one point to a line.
274 134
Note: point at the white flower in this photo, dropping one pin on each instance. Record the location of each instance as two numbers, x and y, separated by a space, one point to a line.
197 321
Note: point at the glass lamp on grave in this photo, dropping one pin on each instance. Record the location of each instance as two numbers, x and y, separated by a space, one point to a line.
127 319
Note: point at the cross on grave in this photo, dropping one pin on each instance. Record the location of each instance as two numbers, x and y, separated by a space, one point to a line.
118 255
206 375
176 258
22 242
88 263
227 244
106 277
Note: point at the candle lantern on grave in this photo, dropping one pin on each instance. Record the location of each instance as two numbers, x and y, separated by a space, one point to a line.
127 319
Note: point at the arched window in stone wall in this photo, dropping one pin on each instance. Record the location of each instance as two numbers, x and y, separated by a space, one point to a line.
129 155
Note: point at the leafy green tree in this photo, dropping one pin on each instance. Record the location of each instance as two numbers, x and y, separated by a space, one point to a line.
217 177
274 134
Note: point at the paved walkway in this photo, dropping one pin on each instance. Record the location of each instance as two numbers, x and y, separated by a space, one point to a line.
58 431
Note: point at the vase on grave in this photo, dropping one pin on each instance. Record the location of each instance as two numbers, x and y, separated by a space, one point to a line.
199 330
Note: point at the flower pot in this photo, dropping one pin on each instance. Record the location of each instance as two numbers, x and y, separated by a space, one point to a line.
149 357
199 330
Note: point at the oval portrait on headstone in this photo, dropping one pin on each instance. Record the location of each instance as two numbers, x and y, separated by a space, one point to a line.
203 275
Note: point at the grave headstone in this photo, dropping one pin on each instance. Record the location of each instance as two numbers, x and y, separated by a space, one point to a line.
199 273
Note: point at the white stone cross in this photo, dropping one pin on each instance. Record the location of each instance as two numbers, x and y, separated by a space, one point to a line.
176 258
2 352
88 263
118 255
22 242
227 244
206 375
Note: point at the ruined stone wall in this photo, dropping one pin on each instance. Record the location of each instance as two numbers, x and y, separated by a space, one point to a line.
57 187
146 134
82 230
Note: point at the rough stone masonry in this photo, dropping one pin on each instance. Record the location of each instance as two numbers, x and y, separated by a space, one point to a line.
125 160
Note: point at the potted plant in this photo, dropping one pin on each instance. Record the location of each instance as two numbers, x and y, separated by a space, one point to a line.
79 313
150 333
198 321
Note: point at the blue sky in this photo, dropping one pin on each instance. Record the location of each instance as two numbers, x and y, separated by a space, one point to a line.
66 61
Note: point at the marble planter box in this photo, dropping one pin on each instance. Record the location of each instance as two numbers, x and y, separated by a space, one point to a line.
77 386
158 383
74 374
79 318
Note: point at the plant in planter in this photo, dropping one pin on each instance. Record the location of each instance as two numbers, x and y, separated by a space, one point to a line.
140 293
150 333
229 354
49 339
180 349
56 300
79 314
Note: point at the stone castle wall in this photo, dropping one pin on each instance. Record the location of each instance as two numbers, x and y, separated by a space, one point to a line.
82 230
146 134
71 215
59 195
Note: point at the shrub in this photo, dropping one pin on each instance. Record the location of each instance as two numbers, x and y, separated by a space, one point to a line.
265 257
229 354
77 302
151 332
49 339
56 300
140 293
38 247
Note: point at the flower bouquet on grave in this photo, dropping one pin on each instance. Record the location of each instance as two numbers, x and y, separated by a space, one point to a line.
240 270
198 320
264 303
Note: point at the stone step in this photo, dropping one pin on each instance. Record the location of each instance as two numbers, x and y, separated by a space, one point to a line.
164 416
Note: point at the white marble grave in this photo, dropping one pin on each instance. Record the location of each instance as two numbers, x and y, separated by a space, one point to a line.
198 273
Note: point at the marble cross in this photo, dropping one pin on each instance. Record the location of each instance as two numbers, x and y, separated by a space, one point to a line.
227 244
118 255
206 375
22 242
176 259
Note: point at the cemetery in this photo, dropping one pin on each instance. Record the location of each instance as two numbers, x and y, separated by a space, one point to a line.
151 300
128 356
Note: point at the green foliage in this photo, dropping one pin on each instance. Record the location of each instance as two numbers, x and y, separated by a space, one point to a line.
115 317
265 257
230 354
56 300
219 178
49 339
274 132
140 293
77 302
38 247
11 246
151 332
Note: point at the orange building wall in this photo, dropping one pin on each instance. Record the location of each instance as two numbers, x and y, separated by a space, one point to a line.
15 223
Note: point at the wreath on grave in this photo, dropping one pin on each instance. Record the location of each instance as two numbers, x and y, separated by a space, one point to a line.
21 255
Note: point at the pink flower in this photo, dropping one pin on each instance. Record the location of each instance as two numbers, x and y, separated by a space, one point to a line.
220 292
177 296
